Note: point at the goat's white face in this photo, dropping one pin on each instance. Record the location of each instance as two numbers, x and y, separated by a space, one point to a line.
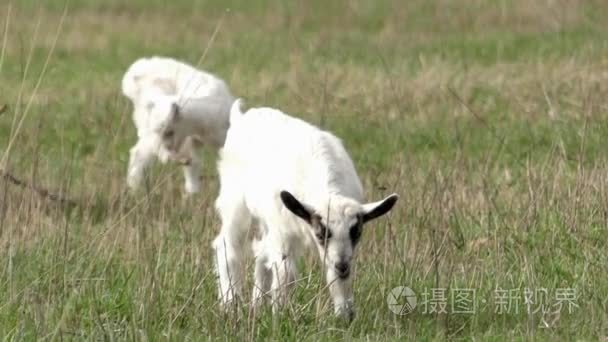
338 227
337 230
164 116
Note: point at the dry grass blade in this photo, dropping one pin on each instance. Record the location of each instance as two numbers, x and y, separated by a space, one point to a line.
5 38
15 133
43 192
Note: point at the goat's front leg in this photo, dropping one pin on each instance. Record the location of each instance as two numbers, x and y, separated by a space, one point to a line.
191 167
262 273
283 269
261 286
140 157
228 246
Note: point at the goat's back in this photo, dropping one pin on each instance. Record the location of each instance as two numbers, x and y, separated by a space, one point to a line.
271 151
172 77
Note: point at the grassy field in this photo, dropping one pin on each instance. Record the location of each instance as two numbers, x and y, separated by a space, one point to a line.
488 118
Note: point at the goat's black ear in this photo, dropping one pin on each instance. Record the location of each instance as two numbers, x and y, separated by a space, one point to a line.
301 210
377 209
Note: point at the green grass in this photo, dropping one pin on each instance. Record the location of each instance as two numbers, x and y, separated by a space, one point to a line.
488 118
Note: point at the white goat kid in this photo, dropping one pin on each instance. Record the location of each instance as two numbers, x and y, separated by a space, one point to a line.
301 186
176 109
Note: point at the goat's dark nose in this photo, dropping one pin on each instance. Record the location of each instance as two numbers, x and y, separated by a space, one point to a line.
343 269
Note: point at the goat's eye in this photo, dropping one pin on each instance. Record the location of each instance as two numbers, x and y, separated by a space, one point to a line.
169 134
323 234
355 233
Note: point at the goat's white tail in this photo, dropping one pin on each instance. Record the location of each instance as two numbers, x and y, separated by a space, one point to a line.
130 87
130 81
235 111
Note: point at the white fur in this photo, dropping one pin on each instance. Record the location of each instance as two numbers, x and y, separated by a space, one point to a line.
176 108
267 152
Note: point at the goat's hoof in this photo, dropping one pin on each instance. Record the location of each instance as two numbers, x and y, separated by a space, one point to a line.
132 184
192 188
190 192
346 313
